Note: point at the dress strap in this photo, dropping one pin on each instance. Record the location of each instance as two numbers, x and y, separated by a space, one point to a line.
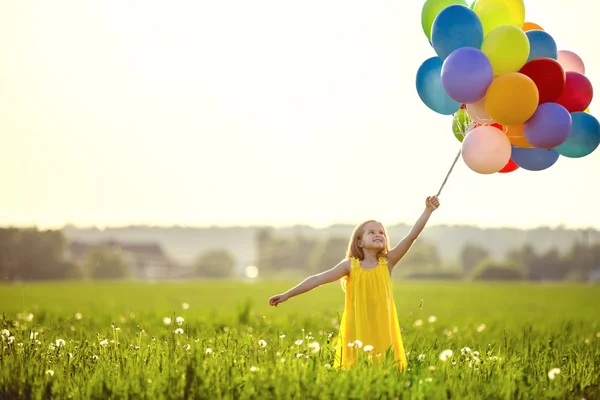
354 263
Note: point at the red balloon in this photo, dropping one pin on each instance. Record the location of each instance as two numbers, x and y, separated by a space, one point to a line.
463 107
578 92
549 77
495 125
509 167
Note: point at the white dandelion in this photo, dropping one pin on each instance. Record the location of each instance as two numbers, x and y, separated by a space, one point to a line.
421 357
432 319
368 348
187 347
5 332
179 320
253 368
299 342
481 328
446 355
208 350
358 343
33 335
281 336
60 343
50 372
185 306
262 343
104 342
179 331
94 357
553 373
315 347
465 351
78 316
167 321
418 323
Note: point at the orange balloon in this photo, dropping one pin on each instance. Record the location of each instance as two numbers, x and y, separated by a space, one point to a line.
531 26
511 99
516 136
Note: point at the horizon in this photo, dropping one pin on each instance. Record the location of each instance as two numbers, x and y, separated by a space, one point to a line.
228 114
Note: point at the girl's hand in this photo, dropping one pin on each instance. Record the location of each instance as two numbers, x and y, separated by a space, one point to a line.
432 203
280 298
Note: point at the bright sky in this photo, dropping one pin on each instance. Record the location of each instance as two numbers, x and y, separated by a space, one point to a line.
241 112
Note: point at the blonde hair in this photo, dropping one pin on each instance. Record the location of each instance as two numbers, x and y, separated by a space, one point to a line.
356 251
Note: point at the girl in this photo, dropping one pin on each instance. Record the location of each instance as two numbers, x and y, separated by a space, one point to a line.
370 316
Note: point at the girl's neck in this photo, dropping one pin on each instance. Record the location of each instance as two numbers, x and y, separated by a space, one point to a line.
370 256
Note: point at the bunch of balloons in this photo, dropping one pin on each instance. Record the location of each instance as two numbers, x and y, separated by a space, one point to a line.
516 100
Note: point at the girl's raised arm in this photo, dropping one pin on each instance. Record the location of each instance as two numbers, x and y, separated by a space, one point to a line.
340 270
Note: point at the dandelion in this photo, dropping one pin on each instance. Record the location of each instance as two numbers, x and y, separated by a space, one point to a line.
481 328
587 341
282 360
446 355
358 343
428 379
493 358
455 329
50 346
315 347
368 348
299 355
33 335
476 353
431 368
5 332
60 343
187 347
327 366
208 350
50 372
281 336
553 373
262 343
178 331
465 351
167 321
94 357
447 333
253 368
299 342
185 306
350 344
179 320
103 342
418 323
421 357
598 334
78 316
432 319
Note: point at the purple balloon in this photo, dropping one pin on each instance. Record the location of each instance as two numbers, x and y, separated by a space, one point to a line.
549 126
466 75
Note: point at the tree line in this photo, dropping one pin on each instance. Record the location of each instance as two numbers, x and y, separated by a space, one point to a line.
32 254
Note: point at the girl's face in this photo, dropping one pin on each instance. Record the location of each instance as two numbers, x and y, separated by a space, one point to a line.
373 237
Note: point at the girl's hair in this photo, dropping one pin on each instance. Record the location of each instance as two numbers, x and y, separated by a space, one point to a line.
355 251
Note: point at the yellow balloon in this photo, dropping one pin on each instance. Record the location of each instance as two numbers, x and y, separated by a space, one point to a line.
511 99
507 48
516 136
495 13
587 110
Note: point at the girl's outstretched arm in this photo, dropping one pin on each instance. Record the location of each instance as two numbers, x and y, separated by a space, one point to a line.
396 254
331 275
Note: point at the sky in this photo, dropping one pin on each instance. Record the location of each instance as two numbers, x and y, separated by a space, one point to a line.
204 113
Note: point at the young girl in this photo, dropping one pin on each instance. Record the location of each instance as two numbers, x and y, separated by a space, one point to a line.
370 317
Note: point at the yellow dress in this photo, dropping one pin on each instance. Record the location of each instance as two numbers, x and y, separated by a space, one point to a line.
369 317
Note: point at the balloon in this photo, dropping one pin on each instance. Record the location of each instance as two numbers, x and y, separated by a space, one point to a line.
486 149
431 9
511 99
541 45
571 61
430 89
507 47
530 26
456 26
495 13
461 124
517 137
509 167
534 159
466 75
587 110
548 127
472 6
477 112
584 137
549 77
578 92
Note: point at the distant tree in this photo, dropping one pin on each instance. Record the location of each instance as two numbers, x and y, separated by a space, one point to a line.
497 270
525 257
215 264
105 263
549 266
328 253
422 254
471 255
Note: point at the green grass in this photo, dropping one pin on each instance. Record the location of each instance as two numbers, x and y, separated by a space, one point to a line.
529 330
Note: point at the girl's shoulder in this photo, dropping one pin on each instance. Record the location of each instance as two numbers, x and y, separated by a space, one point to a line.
354 263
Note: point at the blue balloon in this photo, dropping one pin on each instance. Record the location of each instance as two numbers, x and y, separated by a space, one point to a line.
466 75
430 89
541 45
548 127
584 137
454 27
534 159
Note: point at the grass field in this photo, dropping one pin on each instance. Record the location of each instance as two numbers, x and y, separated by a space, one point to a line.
123 340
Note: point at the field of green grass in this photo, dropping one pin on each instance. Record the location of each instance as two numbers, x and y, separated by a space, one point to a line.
221 340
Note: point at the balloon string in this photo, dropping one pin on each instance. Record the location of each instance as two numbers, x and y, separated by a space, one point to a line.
449 171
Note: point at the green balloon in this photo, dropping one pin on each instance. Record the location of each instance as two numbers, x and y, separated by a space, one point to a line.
431 9
473 5
461 124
